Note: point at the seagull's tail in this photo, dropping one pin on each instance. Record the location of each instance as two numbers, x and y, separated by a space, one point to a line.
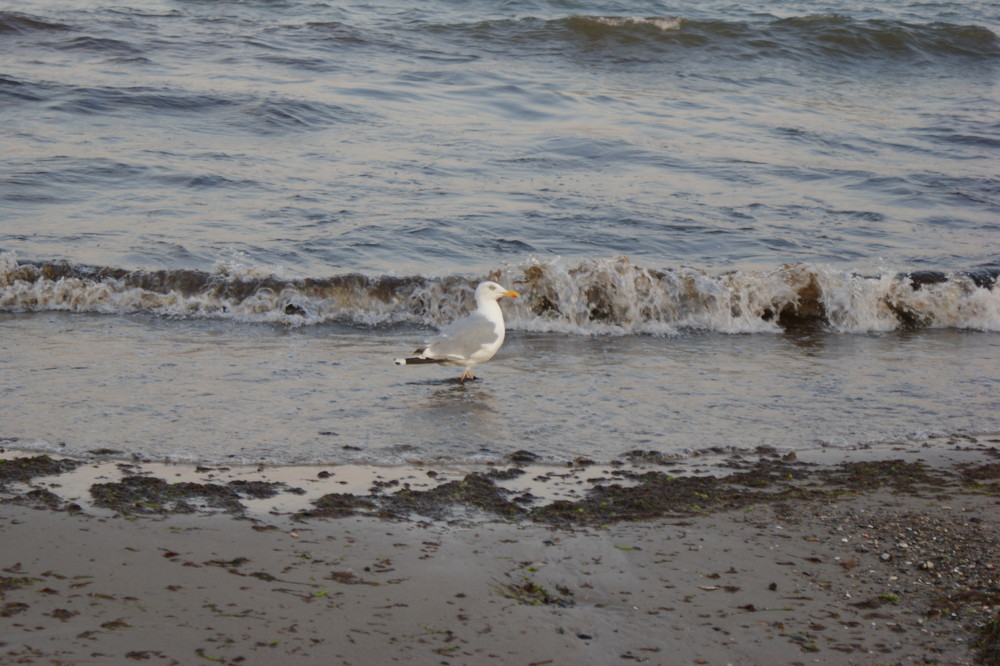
416 360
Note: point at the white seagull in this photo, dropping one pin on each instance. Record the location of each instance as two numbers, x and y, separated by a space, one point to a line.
468 341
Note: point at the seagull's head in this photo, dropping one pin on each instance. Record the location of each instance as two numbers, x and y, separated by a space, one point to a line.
492 291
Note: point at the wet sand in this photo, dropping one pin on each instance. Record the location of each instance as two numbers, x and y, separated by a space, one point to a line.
863 557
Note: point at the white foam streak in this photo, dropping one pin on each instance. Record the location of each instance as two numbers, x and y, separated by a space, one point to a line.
664 24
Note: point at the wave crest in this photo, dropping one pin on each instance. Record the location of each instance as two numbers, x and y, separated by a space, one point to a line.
609 296
830 39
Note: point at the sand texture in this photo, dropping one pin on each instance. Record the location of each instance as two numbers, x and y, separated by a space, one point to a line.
890 562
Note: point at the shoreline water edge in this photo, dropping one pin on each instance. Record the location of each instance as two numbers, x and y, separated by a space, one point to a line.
863 556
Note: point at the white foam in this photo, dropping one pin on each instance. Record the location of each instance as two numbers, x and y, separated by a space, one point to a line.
956 303
664 24
607 296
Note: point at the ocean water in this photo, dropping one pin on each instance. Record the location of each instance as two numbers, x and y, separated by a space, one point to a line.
767 224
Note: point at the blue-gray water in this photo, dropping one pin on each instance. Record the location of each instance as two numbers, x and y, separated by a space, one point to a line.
220 221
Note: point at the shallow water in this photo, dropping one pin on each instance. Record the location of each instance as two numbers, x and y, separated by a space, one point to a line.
215 392
220 221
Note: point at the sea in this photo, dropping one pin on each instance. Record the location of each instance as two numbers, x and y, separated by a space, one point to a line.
731 225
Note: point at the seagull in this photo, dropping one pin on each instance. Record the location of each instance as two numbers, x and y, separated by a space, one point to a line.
471 340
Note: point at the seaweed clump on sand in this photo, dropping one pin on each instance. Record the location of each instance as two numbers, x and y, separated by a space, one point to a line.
22 470
261 489
982 478
660 495
41 498
641 496
655 495
475 490
871 475
150 495
767 473
337 505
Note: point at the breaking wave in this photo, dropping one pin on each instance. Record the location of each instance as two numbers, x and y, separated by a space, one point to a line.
609 296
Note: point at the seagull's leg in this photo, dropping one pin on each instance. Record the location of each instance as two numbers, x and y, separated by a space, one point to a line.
467 374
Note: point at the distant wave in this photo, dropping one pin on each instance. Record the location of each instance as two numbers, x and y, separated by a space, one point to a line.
244 111
829 37
593 297
14 22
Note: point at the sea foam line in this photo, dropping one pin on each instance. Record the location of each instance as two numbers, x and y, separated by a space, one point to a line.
607 296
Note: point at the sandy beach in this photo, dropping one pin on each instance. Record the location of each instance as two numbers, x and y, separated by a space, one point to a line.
854 557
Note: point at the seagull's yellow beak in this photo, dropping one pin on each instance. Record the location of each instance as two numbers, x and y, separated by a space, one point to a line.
512 294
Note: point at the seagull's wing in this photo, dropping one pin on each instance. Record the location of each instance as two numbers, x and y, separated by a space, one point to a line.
460 340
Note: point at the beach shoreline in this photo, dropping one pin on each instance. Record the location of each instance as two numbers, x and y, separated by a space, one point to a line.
863 557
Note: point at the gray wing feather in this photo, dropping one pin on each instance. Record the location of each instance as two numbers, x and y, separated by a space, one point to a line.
462 339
